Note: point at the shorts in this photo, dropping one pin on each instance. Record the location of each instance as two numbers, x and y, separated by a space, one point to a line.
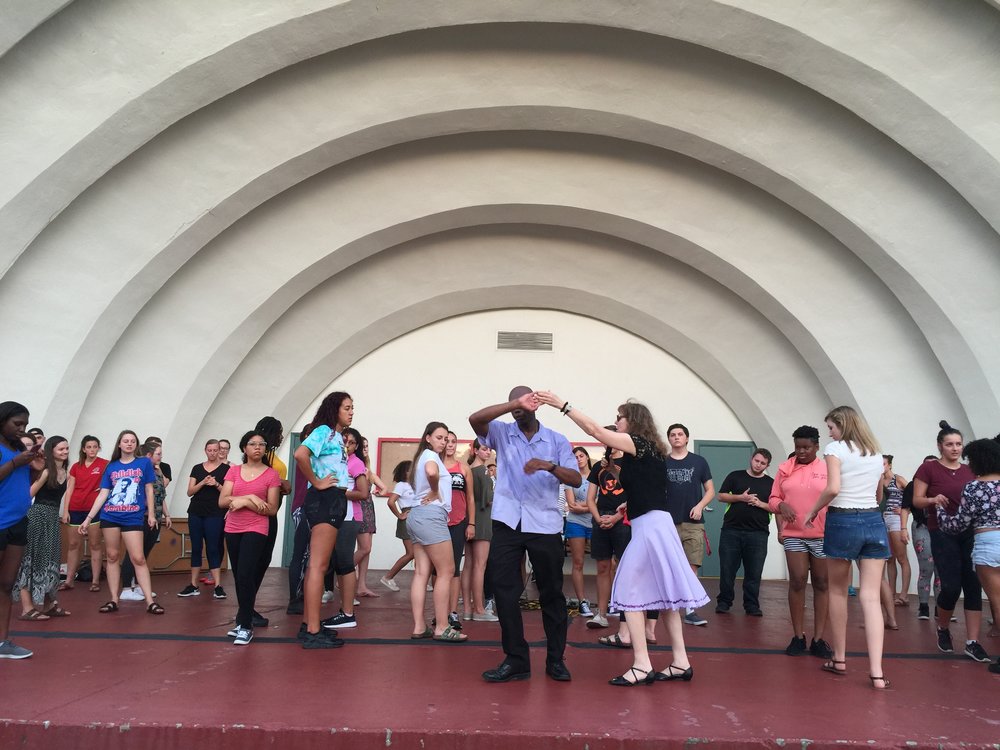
892 521
15 535
693 540
124 527
325 506
457 533
401 532
608 543
856 535
428 524
577 531
986 549
77 517
812 546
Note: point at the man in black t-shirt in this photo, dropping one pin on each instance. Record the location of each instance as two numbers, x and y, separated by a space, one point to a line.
744 532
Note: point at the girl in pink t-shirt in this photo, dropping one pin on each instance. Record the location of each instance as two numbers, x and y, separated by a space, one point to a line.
250 494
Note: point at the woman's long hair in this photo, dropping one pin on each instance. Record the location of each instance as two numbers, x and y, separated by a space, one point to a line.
359 451
329 410
83 443
590 463
640 422
116 454
399 474
854 430
422 446
52 480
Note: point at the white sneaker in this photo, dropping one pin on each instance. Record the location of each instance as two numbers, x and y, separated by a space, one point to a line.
585 609
133 594
430 587
488 617
234 632
243 636
327 597
598 621
389 583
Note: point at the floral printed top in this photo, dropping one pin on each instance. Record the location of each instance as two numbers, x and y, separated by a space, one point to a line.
980 508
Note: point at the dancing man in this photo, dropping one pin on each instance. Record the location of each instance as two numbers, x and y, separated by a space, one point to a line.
532 461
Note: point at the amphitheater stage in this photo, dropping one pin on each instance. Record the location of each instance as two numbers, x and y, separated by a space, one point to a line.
131 680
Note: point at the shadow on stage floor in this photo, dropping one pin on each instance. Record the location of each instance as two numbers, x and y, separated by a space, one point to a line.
130 679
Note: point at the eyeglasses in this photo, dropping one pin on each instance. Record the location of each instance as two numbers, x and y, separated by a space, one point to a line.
256 445
619 416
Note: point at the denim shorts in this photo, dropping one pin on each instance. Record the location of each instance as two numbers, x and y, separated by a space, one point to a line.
577 531
986 549
856 535
428 524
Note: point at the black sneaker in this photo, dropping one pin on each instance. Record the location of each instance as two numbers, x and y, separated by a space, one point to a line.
754 613
455 621
820 648
995 667
944 641
924 612
219 593
319 640
976 652
189 590
796 646
722 609
340 620
258 620
295 607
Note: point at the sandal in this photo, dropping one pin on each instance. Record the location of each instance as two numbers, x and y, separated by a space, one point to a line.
831 667
95 587
428 633
885 683
155 609
450 635
33 615
65 586
614 641
648 678
673 672
108 607
56 611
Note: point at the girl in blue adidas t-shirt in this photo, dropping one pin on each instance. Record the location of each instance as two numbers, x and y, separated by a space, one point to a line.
125 503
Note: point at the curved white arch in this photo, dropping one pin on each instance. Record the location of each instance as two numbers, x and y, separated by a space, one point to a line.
179 85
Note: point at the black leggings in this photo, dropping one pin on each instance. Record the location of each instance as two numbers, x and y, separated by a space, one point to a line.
246 550
957 574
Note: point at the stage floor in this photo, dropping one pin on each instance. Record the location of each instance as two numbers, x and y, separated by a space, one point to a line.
130 679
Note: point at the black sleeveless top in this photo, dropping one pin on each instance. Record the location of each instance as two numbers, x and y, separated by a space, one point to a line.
51 496
644 478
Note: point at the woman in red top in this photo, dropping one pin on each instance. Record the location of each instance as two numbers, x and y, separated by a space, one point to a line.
81 491
461 522
937 486
796 488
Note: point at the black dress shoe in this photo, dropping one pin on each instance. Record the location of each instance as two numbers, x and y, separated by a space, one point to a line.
294 607
639 677
505 673
259 621
557 671
722 609
754 613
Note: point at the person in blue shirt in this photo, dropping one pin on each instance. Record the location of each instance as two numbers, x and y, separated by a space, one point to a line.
532 461
15 499
126 506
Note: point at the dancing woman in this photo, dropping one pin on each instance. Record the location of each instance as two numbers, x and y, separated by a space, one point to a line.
653 572
368 526
579 526
854 531
399 504
461 522
475 592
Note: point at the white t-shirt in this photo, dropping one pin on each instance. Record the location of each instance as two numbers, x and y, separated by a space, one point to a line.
404 493
423 488
859 476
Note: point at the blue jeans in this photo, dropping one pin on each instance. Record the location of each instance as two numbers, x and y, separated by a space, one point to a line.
746 547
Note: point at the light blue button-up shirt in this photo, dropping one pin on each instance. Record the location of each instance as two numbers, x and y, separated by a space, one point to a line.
531 500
